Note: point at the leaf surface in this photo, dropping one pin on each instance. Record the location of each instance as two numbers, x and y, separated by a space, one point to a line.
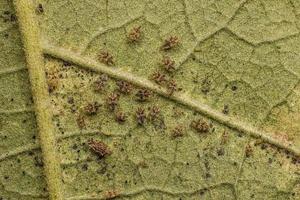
229 131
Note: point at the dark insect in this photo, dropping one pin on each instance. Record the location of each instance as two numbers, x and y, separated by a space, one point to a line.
221 152
140 116
205 86
112 101
200 126
135 34
120 117
106 57
170 43
225 109
159 78
100 83
172 87
40 9
124 87
100 148
80 121
168 64
92 108
154 113
143 94
177 131
224 138
52 80
248 150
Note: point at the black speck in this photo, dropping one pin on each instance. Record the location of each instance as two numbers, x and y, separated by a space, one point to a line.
220 152
85 167
234 88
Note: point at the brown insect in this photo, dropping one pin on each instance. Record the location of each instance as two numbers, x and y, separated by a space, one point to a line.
177 131
248 150
100 148
124 87
158 77
143 94
135 34
224 137
106 57
168 64
225 109
206 86
112 101
140 116
92 108
200 126
100 83
170 43
154 113
52 75
40 9
172 87
120 117
80 121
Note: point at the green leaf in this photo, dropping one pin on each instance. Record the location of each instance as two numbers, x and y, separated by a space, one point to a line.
178 99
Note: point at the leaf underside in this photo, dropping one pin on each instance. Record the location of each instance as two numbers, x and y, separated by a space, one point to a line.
237 69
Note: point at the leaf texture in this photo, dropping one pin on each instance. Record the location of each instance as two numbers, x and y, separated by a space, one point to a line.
220 122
